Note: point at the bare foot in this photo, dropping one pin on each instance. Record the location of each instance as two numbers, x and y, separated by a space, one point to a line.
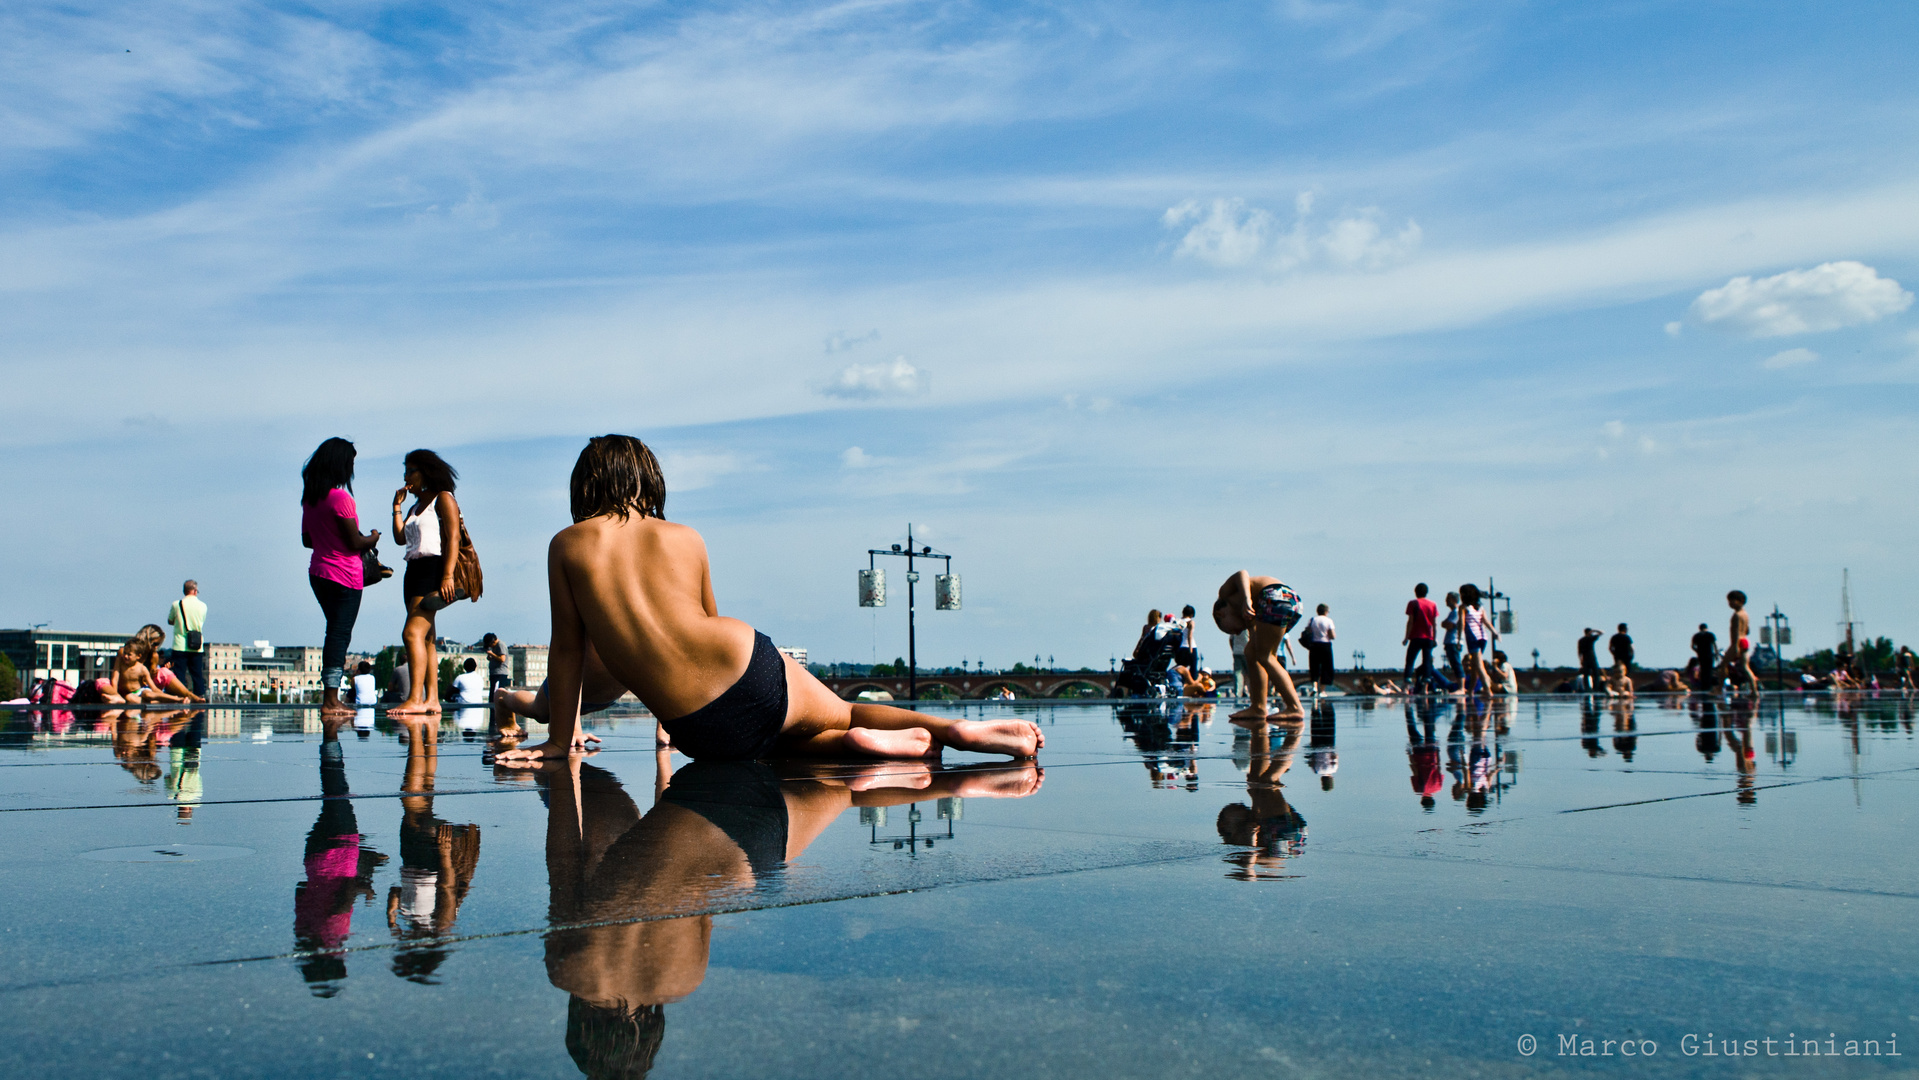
1000 782
1020 738
411 707
335 708
1250 712
512 731
878 742
533 756
1285 714
912 775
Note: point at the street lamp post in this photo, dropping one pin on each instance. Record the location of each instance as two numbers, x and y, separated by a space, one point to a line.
946 595
1778 633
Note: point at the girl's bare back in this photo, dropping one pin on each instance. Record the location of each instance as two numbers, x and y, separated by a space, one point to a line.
643 595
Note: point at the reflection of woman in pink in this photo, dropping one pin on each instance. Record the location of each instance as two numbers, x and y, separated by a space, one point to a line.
339 872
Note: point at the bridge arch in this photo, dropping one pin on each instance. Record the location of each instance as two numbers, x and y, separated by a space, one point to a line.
1072 688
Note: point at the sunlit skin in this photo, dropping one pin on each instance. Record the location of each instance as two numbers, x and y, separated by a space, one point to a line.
640 591
422 765
419 635
607 864
1233 614
1264 792
353 540
1738 656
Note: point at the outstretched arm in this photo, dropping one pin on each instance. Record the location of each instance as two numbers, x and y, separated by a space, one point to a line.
565 673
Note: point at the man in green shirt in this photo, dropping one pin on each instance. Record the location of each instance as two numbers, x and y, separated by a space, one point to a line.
188 616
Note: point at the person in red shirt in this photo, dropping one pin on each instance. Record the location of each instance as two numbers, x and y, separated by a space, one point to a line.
1422 616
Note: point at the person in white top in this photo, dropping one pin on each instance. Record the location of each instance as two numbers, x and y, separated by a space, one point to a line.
1318 636
366 689
469 687
431 531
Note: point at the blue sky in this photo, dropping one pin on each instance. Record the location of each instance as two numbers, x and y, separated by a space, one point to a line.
1612 302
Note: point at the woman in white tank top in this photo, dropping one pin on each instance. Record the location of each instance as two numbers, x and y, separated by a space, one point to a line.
431 533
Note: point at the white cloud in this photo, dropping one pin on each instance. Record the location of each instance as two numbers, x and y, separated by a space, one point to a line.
1827 297
1226 232
1615 428
864 381
1673 329
855 458
1789 358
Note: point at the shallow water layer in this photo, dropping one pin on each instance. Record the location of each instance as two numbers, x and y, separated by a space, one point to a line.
1687 888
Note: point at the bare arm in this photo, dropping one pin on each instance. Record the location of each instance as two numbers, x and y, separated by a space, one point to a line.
350 535
449 512
565 673
1239 590
399 521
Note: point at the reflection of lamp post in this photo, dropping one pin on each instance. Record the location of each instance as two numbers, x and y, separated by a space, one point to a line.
946 596
948 810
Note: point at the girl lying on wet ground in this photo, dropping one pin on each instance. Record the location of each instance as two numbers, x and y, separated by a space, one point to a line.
638 590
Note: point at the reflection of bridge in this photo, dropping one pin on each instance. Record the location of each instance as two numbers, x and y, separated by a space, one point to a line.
1045 684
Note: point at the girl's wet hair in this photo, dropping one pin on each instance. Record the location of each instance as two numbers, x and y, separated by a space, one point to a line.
331 466
435 474
617 475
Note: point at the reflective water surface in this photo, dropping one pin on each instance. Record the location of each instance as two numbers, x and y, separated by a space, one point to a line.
1385 888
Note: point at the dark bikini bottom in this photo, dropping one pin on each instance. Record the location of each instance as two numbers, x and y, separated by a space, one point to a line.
741 798
744 722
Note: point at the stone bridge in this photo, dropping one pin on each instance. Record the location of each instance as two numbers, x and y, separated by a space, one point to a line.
1050 684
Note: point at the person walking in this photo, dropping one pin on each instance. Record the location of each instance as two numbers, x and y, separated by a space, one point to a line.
499 670
330 526
1589 660
1422 616
1451 625
433 533
188 617
1319 635
1479 634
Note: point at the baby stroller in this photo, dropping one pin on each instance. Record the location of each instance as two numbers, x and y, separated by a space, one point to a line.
1149 671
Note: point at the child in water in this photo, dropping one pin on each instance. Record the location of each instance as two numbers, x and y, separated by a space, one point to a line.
1264 608
638 590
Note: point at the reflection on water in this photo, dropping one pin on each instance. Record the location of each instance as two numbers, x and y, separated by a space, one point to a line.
1266 825
339 871
632 895
437 863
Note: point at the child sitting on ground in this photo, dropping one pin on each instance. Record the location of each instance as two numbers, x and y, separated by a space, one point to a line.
638 589
1264 608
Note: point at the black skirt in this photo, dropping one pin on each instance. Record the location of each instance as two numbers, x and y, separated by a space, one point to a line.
423 576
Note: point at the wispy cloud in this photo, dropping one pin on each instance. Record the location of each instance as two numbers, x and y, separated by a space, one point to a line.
1788 358
1226 232
865 382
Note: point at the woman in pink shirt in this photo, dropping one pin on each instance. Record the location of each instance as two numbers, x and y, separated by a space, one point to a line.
330 525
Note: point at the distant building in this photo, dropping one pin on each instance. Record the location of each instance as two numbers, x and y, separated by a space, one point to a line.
68 656
246 672
797 652
529 665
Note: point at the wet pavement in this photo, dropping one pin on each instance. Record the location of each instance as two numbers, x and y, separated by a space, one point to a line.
1383 890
